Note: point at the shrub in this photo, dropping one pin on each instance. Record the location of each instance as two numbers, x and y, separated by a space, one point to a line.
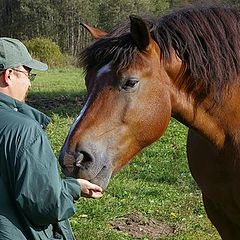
47 51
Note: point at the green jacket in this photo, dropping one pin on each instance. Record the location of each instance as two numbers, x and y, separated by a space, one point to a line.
35 202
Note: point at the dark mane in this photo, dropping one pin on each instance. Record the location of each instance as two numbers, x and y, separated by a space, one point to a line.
207 39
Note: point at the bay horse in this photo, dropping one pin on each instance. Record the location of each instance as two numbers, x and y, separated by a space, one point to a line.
186 65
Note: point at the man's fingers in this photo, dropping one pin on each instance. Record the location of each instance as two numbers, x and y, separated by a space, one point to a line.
92 194
96 194
95 188
95 191
89 189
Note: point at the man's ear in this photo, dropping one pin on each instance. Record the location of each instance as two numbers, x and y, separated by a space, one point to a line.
7 76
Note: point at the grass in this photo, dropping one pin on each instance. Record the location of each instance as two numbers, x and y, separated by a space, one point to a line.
156 183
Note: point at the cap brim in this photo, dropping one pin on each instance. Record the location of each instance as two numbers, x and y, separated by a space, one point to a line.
36 65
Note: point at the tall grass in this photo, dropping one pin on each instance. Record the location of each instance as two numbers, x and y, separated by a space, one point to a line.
157 183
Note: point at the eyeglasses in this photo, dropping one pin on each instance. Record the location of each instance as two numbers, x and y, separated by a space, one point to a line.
31 76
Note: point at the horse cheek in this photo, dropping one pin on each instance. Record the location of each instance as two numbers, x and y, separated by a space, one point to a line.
162 124
157 120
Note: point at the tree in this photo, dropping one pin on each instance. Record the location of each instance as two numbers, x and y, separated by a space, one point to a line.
112 12
60 20
9 23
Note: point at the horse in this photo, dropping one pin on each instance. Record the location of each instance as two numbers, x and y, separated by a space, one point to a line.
184 64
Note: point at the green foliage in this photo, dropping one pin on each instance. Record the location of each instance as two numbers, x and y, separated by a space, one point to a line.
60 20
121 10
156 183
46 51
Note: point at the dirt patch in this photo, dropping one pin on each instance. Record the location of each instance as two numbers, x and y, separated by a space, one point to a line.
138 226
46 104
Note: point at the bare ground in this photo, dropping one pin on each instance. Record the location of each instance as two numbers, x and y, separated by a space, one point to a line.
46 104
138 226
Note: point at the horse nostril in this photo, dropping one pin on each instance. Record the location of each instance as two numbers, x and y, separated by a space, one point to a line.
79 158
83 159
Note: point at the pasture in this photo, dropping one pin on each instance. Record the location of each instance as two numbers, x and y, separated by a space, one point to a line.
157 184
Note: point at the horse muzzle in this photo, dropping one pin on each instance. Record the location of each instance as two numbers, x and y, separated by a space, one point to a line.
84 165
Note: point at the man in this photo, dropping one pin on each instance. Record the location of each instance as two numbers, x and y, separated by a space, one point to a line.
35 202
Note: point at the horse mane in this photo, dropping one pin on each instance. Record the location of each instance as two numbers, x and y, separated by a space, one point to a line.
206 38
117 47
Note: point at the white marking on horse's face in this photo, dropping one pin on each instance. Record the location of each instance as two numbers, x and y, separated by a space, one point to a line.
105 69
75 122
77 119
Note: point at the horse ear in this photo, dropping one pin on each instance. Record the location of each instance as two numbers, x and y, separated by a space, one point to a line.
139 32
95 32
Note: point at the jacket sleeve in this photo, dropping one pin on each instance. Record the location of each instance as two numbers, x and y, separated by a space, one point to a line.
42 195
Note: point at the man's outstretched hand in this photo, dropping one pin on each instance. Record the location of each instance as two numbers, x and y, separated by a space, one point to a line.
89 190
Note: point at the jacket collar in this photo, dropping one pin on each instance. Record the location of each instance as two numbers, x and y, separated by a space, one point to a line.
25 109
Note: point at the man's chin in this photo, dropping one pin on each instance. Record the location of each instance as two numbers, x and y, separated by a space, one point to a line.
25 97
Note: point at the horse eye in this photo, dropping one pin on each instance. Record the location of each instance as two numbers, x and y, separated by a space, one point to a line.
130 83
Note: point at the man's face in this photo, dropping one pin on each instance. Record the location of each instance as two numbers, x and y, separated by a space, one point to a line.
20 83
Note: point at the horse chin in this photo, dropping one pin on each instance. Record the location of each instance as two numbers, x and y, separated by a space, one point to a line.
101 178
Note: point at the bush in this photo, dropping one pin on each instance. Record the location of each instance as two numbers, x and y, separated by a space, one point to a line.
45 50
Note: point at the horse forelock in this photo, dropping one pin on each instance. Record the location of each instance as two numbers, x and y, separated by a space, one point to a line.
206 39
120 51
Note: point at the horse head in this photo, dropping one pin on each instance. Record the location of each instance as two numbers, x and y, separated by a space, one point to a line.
128 103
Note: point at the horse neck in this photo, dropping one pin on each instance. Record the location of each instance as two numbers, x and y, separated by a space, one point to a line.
213 122
217 122
202 118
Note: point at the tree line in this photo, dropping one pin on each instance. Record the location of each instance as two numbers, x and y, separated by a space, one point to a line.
60 20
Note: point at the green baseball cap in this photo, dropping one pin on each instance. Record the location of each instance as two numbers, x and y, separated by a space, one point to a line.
13 53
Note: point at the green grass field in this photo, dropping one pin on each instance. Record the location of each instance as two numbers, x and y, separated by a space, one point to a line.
157 183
